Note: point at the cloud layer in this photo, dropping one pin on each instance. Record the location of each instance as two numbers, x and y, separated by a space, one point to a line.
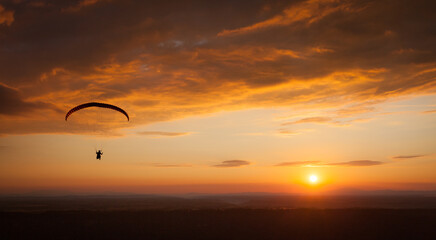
168 60
12 103
356 163
232 163
407 156
164 134
297 163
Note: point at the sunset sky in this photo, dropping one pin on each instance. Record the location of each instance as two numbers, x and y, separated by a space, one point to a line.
223 96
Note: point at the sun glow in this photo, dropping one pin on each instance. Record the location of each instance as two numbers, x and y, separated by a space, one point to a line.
313 179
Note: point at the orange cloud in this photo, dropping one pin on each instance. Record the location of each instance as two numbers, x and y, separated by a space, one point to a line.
429 111
6 16
165 134
307 11
407 156
310 120
81 4
232 163
12 104
318 54
163 165
297 163
357 163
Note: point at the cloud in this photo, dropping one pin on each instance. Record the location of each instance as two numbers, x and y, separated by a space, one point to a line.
297 163
12 104
287 132
80 5
355 109
429 111
165 134
358 163
324 54
162 165
6 16
337 120
407 156
310 120
232 163
307 11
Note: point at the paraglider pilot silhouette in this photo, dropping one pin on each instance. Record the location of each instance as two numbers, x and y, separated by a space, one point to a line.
99 153
100 105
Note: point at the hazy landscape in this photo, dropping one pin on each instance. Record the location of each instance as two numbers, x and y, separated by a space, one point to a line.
233 216
134 202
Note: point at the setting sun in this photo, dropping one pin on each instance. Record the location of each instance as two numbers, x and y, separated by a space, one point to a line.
313 178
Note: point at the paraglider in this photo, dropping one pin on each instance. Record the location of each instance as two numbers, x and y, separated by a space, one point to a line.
96 104
99 105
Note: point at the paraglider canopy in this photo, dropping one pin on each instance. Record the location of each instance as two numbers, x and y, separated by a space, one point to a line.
96 104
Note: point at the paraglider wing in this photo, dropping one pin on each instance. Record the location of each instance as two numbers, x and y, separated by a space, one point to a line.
96 104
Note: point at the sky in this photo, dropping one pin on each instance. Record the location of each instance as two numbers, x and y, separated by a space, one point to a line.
223 96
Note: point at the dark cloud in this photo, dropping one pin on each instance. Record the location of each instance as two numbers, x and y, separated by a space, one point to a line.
172 59
6 16
358 163
82 40
166 134
232 163
297 163
407 156
80 5
12 104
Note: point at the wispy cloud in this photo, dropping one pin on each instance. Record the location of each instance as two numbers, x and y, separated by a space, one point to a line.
329 120
163 134
358 108
286 132
232 163
310 120
408 156
307 11
357 163
164 165
80 5
297 163
429 111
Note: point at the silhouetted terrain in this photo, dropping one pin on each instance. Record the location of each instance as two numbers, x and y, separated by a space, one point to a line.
218 217
147 202
221 224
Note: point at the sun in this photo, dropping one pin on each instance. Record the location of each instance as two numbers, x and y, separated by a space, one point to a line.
313 179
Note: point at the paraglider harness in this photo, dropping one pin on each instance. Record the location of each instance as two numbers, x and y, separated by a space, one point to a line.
99 153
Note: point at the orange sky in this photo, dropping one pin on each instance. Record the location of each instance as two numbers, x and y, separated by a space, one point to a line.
228 96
